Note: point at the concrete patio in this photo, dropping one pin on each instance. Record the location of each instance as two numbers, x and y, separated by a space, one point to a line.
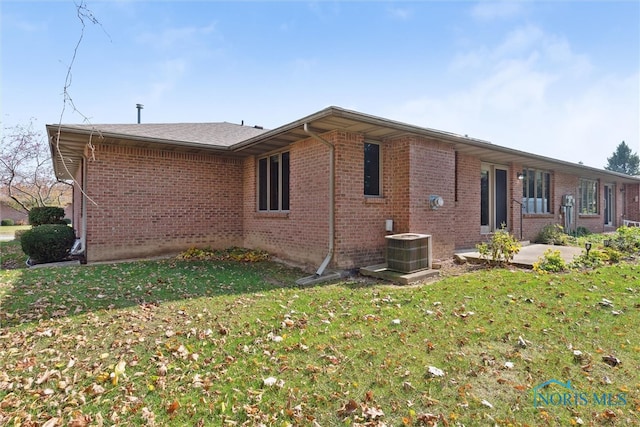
529 253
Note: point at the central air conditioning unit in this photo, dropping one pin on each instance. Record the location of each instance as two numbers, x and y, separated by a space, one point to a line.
408 252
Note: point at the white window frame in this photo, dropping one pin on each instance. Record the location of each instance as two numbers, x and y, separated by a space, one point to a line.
539 200
588 197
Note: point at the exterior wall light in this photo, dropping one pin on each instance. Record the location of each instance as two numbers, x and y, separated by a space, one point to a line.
436 202
520 176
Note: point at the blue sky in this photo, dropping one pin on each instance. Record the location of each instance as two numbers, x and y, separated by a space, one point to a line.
560 79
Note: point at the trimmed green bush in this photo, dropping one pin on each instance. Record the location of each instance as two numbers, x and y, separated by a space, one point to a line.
7 222
46 215
48 242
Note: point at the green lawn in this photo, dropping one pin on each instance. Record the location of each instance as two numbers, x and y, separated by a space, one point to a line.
10 230
215 343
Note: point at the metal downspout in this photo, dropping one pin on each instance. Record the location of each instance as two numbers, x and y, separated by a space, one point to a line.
327 259
83 219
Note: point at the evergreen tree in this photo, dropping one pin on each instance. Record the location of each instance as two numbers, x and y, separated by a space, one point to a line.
623 160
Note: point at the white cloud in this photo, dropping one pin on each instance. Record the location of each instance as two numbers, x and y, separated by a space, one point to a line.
534 93
491 10
402 14
176 38
169 73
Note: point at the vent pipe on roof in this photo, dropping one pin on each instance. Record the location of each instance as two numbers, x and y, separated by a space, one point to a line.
139 107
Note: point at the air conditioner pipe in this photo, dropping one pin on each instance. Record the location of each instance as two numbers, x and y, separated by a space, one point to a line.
327 259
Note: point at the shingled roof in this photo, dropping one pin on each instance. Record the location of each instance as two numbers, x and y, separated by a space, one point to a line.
220 134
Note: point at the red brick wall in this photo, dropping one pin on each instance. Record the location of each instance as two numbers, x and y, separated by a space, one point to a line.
632 202
467 206
153 202
432 173
302 234
360 219
412 170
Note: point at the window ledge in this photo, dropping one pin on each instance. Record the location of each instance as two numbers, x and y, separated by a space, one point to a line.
538 215
374 199
266 214
593 215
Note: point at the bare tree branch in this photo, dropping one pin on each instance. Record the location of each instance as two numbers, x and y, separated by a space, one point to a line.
84 14
26 172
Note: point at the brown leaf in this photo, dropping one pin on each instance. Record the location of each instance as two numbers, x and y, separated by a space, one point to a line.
173 407
368 396
611 360
372 413
428 419
79 420
348 408
52 422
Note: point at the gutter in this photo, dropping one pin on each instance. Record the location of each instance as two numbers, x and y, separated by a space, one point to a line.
332 220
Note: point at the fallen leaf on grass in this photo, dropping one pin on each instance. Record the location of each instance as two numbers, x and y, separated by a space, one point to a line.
606 303
436 372
173 407
486 403
80 420
372 413
148 416
609 414
52 422
272 381
348 408
611 360
428 419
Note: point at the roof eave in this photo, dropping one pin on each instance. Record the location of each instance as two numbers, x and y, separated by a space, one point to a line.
461 143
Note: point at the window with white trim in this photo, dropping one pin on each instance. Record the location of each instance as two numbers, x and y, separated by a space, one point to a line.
372 169
273 182
588 193
536 190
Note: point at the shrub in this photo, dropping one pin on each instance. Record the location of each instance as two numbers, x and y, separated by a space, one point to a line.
582 231
551 262
46 215
502 247
626 239
614 256
595 259
48 242
7 222
552 234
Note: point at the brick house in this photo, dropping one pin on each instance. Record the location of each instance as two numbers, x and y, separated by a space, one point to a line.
7 211
319 190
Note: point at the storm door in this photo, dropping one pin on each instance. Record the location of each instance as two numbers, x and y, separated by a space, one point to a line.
493 198
609 205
